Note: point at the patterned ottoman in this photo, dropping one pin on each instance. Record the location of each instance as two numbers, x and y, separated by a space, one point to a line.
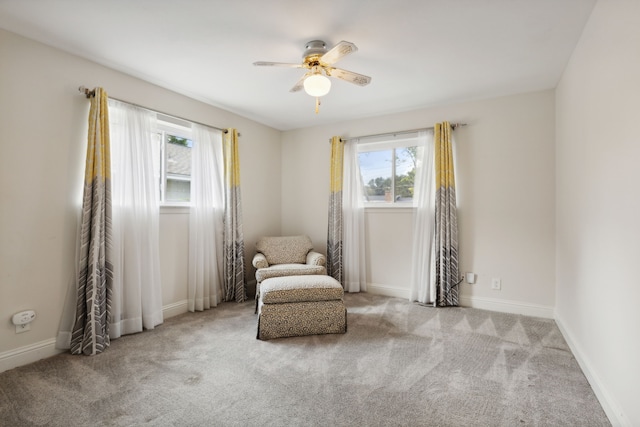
292 306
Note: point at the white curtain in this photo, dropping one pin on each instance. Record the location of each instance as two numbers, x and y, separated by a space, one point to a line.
354 263
205 222
423 287
135 149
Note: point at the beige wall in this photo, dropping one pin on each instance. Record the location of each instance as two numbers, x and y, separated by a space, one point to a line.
506 196
598 206
515 188
42 147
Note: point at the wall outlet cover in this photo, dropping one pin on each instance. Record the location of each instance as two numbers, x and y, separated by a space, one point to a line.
23 328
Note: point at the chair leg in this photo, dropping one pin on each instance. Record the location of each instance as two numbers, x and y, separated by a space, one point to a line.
257 297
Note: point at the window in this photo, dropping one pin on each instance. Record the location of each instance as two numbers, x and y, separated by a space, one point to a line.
175 160
388 169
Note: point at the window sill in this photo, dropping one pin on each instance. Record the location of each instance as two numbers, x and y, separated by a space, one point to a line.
389 208
175 209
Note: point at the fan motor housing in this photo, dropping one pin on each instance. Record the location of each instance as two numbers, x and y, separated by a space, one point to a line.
315 47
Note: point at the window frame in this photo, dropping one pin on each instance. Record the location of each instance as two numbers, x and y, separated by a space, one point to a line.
167 125
391 142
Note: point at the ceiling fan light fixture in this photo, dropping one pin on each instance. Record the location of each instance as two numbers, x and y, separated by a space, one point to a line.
317 85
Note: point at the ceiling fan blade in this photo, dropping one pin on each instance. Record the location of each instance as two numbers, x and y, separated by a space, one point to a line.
350 76
299 84
277 64
338 52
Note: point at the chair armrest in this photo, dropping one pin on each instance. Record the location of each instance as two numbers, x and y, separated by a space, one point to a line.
316 258
260 261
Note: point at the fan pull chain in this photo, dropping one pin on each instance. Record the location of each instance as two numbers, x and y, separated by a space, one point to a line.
317 105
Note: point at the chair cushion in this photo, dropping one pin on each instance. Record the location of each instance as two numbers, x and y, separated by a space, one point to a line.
280 270
285 249
300 289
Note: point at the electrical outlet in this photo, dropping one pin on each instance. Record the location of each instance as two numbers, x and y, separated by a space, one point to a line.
496 283
23 328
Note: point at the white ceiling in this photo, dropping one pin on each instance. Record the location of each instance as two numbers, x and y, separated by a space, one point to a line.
419 53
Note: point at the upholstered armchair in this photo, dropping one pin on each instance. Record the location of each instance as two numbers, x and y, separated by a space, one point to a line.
286 256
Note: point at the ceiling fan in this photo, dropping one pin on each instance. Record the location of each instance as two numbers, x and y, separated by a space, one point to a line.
319 63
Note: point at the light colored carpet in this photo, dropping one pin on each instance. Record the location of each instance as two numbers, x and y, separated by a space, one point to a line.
399 364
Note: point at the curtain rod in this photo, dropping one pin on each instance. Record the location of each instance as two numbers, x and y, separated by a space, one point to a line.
402 132
89 93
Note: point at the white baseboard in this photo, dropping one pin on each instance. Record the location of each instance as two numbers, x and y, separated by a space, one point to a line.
609 405
28 354
502 306
506 306
174 309
387 291
47 348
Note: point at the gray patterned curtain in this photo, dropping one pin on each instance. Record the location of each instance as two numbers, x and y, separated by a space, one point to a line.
334 234
233 238
90 333
446 221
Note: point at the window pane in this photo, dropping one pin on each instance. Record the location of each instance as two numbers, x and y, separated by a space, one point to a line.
178 169
375 168
405 174
178 190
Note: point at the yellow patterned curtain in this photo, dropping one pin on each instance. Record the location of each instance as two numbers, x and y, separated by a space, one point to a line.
233 238
334 234
90 333
446 222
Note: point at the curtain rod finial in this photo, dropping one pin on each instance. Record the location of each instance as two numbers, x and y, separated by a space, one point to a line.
88 93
